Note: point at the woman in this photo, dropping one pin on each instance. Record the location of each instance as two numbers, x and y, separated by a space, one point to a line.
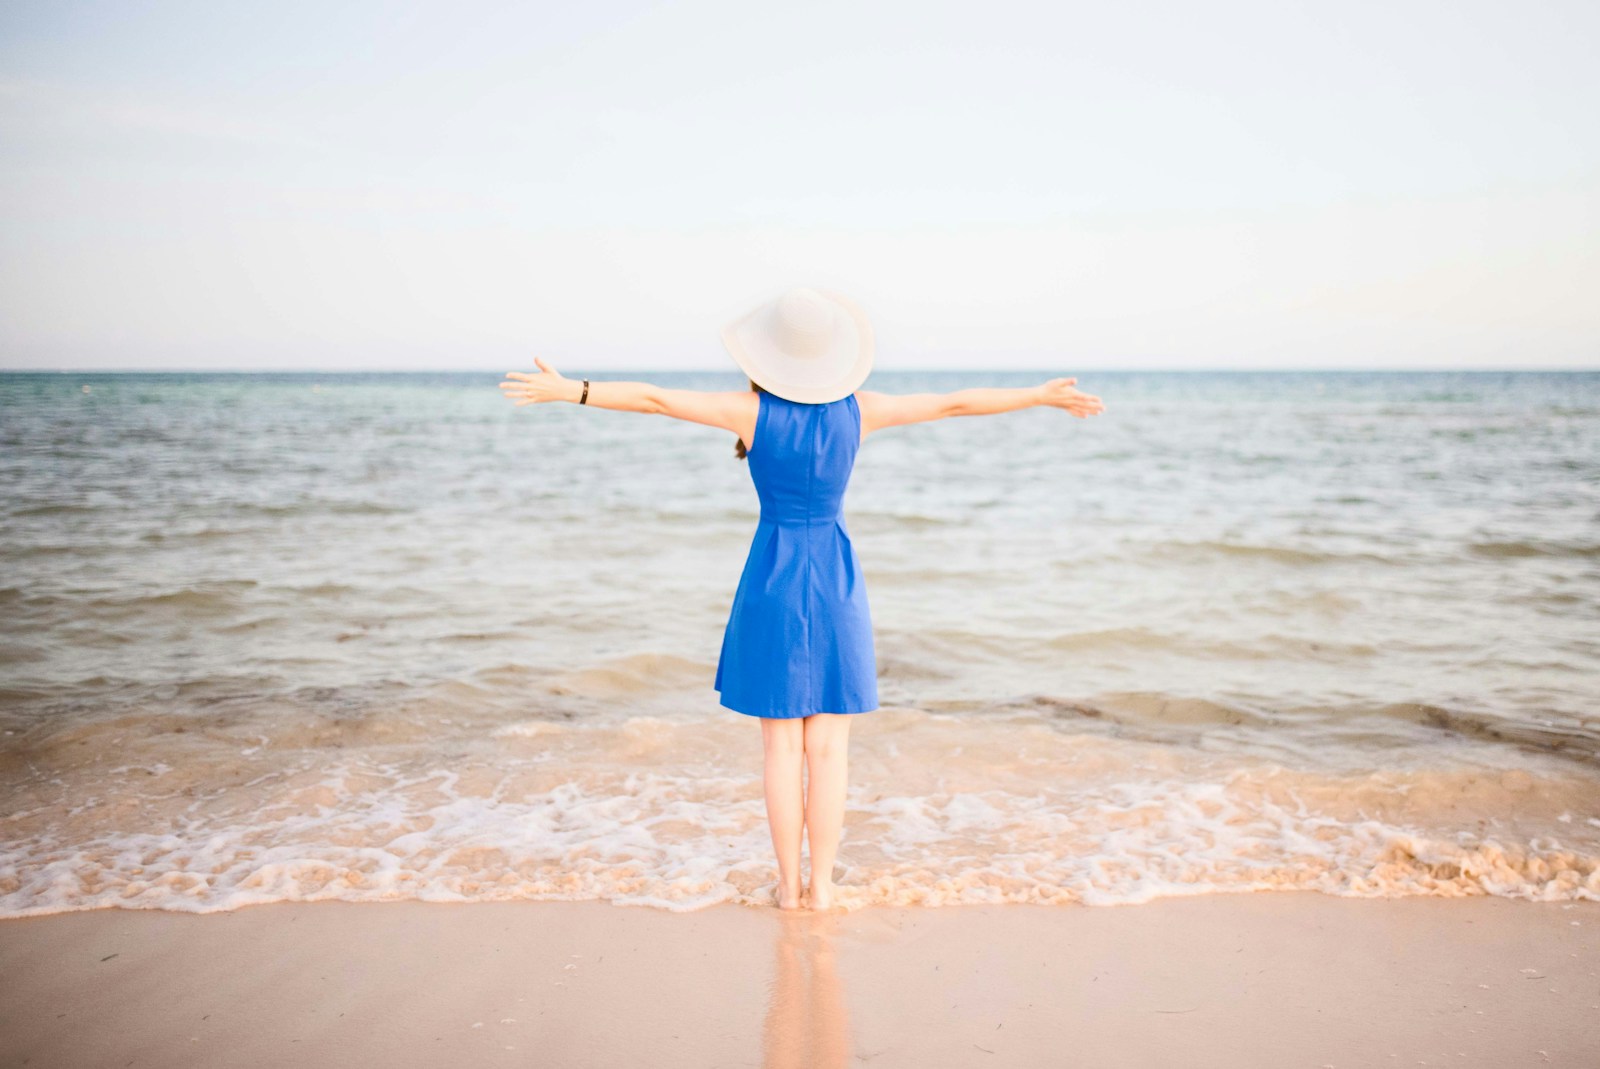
797 651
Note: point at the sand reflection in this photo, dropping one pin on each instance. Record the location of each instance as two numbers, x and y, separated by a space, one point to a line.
807 1023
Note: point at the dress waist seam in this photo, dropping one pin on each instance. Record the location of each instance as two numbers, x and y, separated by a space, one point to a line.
812 521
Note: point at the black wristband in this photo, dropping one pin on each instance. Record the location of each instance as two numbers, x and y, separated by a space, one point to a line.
585 398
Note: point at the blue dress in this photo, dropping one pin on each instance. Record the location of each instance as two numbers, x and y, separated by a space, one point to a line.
799 636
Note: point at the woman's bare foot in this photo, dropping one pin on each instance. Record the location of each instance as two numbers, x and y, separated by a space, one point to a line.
788 898
821 896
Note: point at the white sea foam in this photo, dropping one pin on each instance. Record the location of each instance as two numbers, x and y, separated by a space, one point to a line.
668 813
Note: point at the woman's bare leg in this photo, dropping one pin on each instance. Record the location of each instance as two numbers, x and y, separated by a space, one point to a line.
827 746
784 745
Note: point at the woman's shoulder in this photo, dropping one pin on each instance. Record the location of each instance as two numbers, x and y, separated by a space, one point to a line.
867 400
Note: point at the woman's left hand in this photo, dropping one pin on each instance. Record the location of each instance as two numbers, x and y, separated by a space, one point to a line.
529 389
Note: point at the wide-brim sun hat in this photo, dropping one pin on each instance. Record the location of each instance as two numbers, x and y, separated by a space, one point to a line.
808 345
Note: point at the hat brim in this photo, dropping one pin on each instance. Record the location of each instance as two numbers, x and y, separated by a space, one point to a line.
834 374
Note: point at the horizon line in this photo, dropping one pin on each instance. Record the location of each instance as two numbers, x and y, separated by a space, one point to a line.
734 372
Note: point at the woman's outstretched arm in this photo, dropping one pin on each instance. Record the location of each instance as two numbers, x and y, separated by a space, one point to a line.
879 410
733 410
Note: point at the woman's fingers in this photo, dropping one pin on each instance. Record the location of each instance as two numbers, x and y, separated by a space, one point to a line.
520 392
1082 404
525 393
514 377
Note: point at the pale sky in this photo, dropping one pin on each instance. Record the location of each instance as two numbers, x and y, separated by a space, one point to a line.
1061 185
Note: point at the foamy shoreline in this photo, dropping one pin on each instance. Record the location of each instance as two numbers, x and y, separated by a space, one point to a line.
666 811
1237 980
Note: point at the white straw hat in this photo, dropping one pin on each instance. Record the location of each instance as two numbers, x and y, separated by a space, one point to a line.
812 346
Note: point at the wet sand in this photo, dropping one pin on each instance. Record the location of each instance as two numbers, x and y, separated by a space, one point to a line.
1264 979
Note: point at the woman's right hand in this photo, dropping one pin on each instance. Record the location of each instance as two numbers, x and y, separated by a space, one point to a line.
529 389
1060 393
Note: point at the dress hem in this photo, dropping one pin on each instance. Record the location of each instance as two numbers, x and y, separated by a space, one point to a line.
797 716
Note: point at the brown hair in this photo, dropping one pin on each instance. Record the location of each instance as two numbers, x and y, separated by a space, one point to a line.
738 447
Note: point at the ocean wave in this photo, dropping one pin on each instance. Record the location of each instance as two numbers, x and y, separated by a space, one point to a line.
1528 548
22 653
640 674
204 535
1247 550
217 598
892 520
19 511
321 590
280 510
1546 736
682 840
1162 717
1144 708
1261 647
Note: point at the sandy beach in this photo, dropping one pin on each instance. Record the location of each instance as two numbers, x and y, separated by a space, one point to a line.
1267 979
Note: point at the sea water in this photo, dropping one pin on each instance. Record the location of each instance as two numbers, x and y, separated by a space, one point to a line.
270 637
